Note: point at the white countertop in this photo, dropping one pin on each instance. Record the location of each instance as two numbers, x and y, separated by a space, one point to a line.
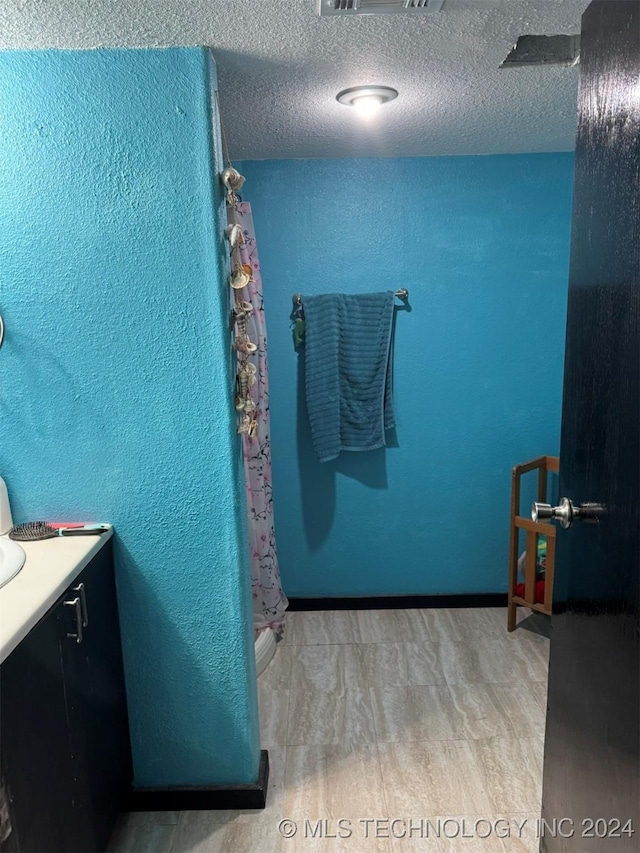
51 565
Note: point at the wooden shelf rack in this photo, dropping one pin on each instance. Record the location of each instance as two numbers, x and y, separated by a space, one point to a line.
533 530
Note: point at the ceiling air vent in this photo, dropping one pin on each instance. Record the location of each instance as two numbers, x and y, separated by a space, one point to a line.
543 50
378 7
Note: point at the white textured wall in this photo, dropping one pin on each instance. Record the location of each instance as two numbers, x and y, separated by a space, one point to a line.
280 66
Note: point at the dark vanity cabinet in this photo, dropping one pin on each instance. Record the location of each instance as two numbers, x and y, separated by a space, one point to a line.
64 733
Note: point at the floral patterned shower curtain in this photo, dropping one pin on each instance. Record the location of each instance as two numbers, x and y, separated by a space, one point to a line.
252 402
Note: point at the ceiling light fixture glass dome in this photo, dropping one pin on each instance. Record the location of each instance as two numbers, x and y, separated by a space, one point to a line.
366 99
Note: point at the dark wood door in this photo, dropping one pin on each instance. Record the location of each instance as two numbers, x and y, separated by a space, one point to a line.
592 755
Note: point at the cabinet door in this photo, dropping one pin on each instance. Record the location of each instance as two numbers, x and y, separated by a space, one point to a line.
49 810
10 843
98 710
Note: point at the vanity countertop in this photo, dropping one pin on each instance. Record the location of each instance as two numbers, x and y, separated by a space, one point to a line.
51 565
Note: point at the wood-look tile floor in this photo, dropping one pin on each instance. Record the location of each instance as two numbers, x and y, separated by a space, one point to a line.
387 730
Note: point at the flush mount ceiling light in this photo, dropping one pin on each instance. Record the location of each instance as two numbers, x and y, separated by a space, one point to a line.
366 99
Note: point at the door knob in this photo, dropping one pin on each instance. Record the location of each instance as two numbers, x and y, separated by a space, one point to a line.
566 513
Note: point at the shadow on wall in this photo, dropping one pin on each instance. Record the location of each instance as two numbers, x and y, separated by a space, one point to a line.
318 479
196 696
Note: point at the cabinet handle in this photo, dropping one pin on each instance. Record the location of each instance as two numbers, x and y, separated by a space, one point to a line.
77 606
83 602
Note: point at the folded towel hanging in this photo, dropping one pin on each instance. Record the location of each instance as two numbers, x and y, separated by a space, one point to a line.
348 371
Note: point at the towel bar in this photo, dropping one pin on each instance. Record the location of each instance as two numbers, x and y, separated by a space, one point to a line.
402 293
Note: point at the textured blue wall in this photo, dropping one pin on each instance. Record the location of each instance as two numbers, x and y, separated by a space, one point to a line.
483 245
114 390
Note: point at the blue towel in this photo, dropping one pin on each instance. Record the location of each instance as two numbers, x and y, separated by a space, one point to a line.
348 366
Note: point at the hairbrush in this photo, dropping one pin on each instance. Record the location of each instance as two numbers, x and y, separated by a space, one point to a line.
34 530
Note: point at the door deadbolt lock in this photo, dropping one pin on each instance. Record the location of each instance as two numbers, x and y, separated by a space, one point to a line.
566 513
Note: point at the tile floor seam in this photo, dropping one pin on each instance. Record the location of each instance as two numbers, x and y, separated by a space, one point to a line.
461 739
448 740
373 719
323 645
382 785
286 728
175 835
326 645
519 682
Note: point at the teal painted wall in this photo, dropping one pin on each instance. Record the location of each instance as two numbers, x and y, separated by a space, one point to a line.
483 245
114 389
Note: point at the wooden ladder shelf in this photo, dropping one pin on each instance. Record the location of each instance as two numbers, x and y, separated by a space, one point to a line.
533 530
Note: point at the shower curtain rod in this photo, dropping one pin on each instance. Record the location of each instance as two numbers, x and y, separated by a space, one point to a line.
402 293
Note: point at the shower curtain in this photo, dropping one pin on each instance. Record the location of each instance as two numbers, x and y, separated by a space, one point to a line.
269 600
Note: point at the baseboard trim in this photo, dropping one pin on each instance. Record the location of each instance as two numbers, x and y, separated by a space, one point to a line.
400 602
203 797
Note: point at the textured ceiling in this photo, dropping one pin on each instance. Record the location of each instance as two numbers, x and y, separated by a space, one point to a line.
280 66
